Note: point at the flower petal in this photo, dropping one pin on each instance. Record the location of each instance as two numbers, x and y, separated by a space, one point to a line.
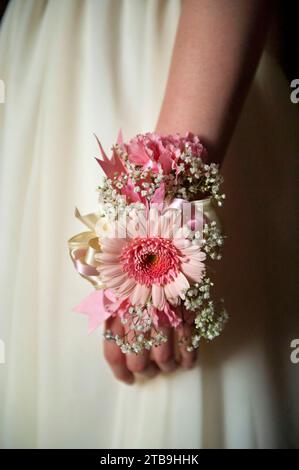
126 288
174 289
193 269
181 243
158 296
172 317
115 282
113 245
107 258
110 271
140 294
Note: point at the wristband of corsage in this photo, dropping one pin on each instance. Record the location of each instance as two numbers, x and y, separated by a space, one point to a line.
147 246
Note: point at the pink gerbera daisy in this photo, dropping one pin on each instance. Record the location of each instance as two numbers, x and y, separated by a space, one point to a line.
151 267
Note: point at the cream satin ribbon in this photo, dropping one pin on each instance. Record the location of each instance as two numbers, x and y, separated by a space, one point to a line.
209 210
85 245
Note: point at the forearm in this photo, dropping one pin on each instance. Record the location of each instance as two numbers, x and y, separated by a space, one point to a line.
217 48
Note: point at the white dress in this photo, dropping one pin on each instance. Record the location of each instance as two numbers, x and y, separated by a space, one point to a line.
75 67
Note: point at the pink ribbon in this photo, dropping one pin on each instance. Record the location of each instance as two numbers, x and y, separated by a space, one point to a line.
98 306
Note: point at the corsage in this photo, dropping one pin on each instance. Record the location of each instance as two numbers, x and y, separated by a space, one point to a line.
148 247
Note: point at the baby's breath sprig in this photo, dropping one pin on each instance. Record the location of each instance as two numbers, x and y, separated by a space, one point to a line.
208 324
194 177
189 178
210 239
142 333
108 193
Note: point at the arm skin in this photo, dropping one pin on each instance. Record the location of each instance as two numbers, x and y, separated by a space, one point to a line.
216 51
217 48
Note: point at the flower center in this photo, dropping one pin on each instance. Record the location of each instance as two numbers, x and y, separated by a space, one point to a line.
151 260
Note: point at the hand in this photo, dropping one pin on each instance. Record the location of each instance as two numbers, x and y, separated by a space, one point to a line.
164 358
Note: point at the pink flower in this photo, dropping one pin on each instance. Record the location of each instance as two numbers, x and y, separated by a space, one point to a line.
150 148
152 267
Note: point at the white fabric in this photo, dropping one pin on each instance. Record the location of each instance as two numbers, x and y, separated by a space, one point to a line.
72 68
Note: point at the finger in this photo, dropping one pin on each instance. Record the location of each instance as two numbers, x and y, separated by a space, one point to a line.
187 358
113 355
140 363
151 371
163 355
